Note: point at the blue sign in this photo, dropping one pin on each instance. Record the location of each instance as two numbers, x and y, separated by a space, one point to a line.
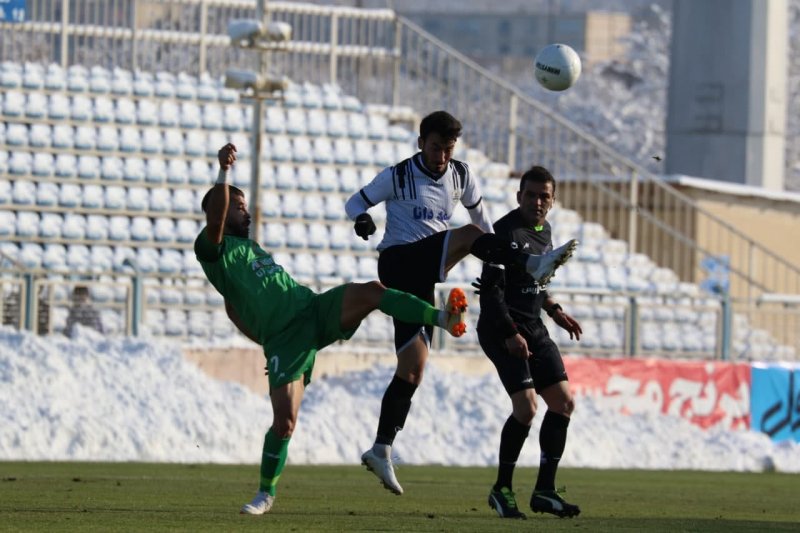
12 10
775 401
718 269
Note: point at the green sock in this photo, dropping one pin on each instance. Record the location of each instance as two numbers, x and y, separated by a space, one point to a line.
273 458
408 308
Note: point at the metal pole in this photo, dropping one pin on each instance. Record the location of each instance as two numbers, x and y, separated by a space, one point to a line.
512 131
136 319
333 55
398 42
255 161
29 305
64 33
632 220
725 341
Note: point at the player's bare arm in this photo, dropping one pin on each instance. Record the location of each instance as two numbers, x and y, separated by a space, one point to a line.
219 198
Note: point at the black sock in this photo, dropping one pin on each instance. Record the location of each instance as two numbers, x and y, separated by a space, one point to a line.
493 249
552 440
394 409
511 440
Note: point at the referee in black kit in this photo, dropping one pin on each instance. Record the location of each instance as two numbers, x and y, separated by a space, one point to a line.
513 336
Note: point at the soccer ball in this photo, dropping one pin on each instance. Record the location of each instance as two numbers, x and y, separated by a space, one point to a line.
557 67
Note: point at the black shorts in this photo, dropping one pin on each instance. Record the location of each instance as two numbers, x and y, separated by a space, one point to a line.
544 368
414 268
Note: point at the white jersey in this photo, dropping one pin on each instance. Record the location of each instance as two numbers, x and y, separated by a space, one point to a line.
419 203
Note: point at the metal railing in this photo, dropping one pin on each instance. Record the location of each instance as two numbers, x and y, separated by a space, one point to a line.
385 59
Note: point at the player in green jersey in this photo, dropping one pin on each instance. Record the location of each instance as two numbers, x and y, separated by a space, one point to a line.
290 321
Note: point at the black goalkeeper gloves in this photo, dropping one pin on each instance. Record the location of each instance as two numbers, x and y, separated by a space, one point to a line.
364 226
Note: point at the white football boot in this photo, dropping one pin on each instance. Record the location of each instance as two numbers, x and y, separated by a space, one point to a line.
261 504
379 462
542 267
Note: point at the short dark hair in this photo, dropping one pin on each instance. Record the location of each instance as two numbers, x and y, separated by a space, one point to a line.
441 122
232 189
537 174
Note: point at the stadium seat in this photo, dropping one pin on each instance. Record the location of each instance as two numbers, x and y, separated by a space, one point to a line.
66 166
69 195
328 180
85 138
313 207
164 230
170 262
23 192
121 86
81 108
199 173
301 150
274 120
384 155
125 111
119 228
111 169
322 151
377 126
97 227
136 199
17 135
343 152
169 114
133 170
186 230
151 141
270 204
89 167
30 255
160 199
43 165
349 181
275 235
347 267
47 193
340 237
130 140
212 118
92 196
62 137
295 121
5 191
14 104
183 201
156 171
107 139
74 227
36 105
318 237
173 142
317 123
357 125
102 260
291 205
337 124
214 140
185 89
191 116
303 269
50 225
103 110
280 148
363 152
54 257
195 144
27 224
54 80
146 112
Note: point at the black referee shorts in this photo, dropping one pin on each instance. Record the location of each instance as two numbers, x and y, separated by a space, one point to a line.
544 368
414 268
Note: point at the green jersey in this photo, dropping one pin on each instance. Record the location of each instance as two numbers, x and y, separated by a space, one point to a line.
265 297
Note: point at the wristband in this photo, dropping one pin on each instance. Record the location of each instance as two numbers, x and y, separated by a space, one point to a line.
552 310
223 177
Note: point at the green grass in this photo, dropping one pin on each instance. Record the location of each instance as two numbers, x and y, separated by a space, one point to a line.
149 497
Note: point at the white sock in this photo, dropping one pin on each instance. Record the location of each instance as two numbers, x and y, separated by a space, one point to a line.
382 450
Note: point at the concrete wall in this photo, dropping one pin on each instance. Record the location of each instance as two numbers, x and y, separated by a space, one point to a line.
727 91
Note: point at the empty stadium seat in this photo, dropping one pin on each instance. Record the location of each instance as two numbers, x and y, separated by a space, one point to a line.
89 167
137 199
50 225
36 105
160 200
107 139
74 226
47 193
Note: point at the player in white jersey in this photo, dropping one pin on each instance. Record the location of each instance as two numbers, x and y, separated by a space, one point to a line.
417 251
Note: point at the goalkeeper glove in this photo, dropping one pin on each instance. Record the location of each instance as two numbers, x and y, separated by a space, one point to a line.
364 226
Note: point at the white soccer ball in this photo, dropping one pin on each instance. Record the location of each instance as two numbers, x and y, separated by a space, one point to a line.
557 67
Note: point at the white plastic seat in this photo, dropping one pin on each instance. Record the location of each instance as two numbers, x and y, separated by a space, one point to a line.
280 148
190 116
170 262
333 208
81 108
103 110
317 123
214 140
119 228
362 154
54 257
164 230
384 155
54 81
62 137
160 200
275 235
36 106
27 224
20 163
212 118
17 135
164 89
206 92
195 144
295 122
125 111
356 126
291 205
301 150
186 230
173 142
285 178
47 193
347 267
23 192
85 138
318 237
14 104
183 201
199 173
50 225
234 118
99 84
107 139
156 171
30 255
130 140
43 165
88 167
185 89
92 196
343 152
101 259
74 227
97 227
303 268
349 181
177 171
70 195
133 169
146 113
66 166
327 180
340 237
111 169
313 207
275 121
136 199
121 86
141 229
377 126
151 141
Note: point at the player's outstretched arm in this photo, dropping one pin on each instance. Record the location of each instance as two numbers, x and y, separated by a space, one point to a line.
219 198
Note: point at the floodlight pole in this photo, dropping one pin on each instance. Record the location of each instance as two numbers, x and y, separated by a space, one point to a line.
258 134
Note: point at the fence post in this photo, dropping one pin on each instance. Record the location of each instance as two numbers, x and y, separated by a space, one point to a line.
633 198
725 340
64 34
513 104
28 305
633 326
136 313
134 39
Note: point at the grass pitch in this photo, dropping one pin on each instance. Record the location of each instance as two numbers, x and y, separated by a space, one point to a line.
157 497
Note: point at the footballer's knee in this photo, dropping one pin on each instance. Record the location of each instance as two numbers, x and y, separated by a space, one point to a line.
525 413
284 427
569 406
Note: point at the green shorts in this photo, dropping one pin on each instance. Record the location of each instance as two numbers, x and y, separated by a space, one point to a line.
291 353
